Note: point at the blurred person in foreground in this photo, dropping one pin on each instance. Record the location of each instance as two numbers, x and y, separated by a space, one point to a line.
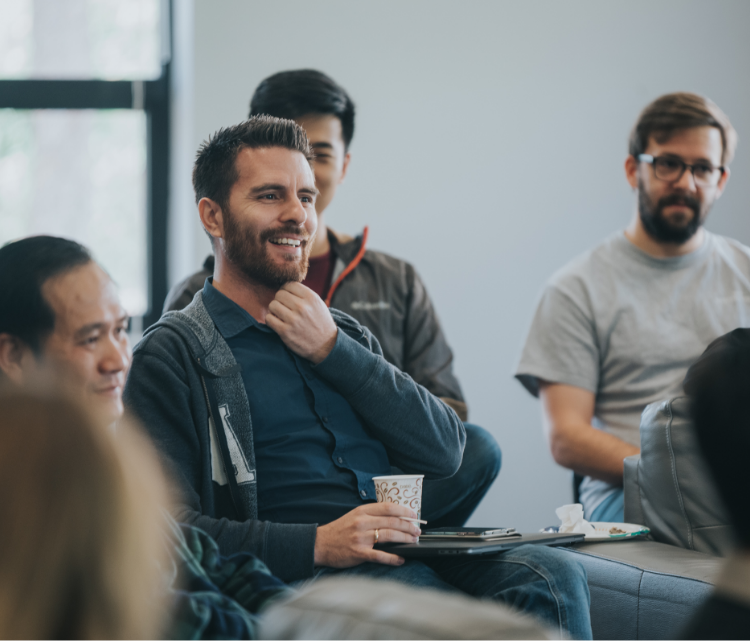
384 293
276 411
61 318
617 328
717 386
81 541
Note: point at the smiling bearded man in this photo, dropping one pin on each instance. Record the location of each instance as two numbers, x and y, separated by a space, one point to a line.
276 411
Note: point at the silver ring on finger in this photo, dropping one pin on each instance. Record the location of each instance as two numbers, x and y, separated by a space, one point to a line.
377 536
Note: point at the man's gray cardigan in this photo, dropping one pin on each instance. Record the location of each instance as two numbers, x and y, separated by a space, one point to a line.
184 378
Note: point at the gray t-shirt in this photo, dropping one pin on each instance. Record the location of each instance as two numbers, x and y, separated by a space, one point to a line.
626 326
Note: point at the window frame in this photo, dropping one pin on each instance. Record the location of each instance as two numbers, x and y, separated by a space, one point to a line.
153 98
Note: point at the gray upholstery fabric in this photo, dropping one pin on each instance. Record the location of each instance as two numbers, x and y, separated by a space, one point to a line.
668 487
356 608
644 589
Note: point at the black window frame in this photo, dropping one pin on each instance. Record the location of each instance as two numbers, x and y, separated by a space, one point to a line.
151 96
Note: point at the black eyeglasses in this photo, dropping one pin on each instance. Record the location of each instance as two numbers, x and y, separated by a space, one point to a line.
671 169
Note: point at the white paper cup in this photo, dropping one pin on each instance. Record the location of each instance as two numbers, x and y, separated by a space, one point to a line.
402 489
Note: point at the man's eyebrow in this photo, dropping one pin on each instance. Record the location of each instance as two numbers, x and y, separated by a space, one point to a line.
321 145
87 329
267 187
313 191
93 327
708 161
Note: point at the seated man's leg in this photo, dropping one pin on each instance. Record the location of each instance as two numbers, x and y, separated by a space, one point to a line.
535 579
412 573
610 510
450 502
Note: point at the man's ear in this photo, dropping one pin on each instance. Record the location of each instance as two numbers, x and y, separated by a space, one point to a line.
631 171
344 168
722 183
15 357
212 217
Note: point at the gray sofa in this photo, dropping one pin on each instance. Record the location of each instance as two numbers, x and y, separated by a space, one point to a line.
649 589
668 486
644 589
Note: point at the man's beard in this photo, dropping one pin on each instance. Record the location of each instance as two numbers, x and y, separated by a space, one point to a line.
659 227
248 251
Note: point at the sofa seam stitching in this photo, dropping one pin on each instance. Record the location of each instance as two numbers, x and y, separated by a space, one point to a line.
673 465
638 609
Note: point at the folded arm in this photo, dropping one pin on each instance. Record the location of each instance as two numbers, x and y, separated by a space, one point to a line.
420 433
574 442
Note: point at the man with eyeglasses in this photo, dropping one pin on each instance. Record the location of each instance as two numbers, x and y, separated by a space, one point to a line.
617 328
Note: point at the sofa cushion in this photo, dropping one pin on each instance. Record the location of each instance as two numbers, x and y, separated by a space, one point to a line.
668 487
644 589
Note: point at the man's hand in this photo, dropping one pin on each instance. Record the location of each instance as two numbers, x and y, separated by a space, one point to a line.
349 541
303 321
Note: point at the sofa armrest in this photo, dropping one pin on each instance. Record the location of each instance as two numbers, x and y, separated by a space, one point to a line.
644 589
633 507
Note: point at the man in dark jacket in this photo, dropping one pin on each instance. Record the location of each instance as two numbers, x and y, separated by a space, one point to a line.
383 293
276 412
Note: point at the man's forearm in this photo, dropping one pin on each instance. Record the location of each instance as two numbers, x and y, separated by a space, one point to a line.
421 433
591 452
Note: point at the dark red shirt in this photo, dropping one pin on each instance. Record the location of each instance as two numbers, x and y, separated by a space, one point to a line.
319 274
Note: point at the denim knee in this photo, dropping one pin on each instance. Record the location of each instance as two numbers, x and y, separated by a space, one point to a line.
482 451
558 564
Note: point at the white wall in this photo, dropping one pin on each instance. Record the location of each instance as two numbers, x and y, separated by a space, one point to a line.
488 151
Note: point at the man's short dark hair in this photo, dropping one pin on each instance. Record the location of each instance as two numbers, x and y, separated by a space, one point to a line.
25 265
717 385
678 111
215 171
293 94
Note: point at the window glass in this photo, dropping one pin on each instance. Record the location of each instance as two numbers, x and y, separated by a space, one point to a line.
79 174
65 39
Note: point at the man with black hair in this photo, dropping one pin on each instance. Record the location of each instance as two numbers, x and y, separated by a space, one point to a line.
275 412
59 308
617 328
383 293
717 386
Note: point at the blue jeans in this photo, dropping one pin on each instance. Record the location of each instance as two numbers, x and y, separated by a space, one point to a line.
450 502
540 581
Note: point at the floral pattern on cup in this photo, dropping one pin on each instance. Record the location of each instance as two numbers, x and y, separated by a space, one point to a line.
402 491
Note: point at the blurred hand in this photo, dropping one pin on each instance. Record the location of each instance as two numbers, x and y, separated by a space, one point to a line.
303 321
349 541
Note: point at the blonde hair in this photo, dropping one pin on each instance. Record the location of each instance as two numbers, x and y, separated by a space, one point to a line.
80 541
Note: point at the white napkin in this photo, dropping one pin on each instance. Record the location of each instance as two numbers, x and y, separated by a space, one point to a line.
573 521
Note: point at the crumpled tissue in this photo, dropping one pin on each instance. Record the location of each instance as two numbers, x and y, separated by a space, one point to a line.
573 521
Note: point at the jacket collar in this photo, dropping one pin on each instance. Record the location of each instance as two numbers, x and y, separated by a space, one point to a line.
344 246
206 345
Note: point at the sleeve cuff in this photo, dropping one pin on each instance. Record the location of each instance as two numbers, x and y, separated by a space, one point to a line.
349 365
290 551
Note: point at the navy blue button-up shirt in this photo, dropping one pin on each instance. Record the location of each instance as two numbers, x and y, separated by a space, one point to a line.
314 458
